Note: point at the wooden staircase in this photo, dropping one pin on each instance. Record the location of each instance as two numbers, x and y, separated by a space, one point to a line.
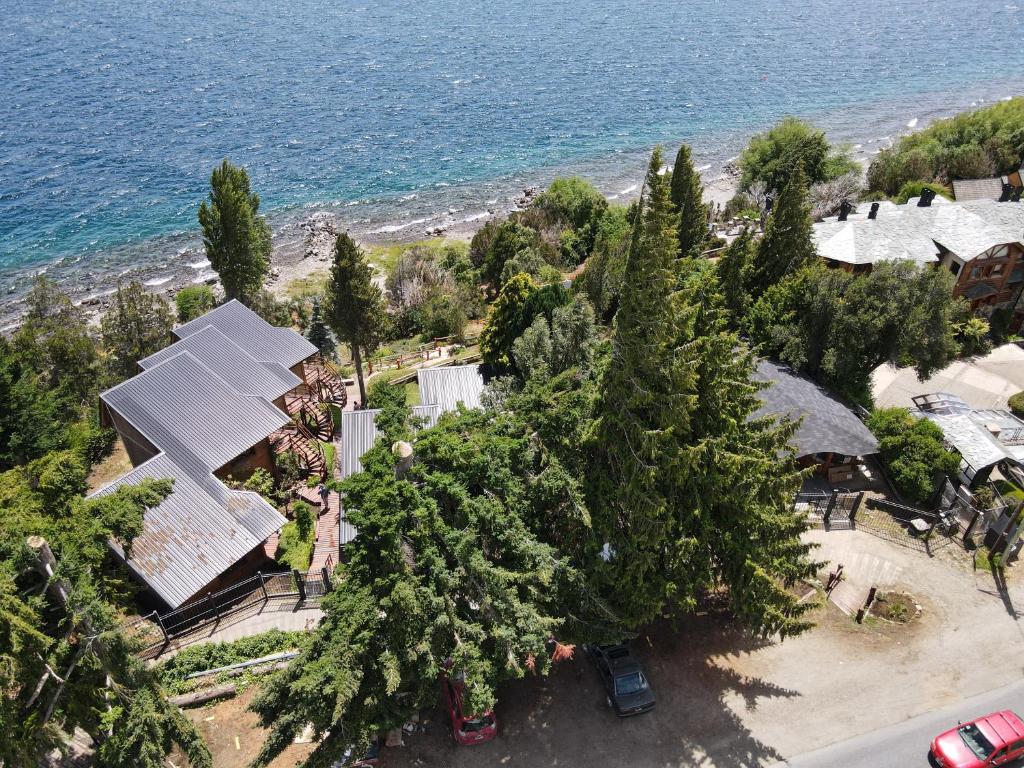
296 438
313 415
324 383
328 526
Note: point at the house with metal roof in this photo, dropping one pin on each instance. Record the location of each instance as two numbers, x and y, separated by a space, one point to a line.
207 410
442 389
830 436
981 241
984 438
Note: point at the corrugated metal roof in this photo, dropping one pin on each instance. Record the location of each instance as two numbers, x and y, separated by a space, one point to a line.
263 341
427 415
447 386
196 533
981 437
828 426
358 434
186 410
231 363
907 232
198 423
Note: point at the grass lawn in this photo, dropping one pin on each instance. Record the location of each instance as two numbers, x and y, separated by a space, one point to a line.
385 256
1009 490
412 393
329 452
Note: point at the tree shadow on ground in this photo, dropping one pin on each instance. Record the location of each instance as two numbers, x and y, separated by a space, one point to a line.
564 720
1003 590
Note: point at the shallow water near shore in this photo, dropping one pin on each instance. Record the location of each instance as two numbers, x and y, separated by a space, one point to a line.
400 117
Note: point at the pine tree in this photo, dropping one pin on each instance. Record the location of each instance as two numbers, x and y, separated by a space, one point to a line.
236 237
319 335
686 492
733 274
645 400
687 194
787 245
355 307
137 324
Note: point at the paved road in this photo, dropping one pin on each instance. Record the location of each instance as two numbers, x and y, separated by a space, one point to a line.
905 745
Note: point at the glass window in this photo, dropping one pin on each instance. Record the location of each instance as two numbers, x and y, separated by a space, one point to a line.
976 741
997 269
976 272
954 267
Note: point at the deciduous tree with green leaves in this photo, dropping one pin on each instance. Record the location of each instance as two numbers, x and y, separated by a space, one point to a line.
354 305
506 322
236 237
194 301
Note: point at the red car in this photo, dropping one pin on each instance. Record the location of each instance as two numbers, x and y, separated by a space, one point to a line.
996 739
466 729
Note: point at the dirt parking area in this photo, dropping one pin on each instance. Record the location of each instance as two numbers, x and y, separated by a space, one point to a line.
726 699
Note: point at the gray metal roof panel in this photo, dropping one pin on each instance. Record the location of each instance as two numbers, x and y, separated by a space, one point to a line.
196 533
977 189
231 363
358 434
263 341
447 386
828 425
190 413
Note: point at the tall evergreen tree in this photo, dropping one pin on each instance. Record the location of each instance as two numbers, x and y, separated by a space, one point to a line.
137 324
787 245
236 237
507 319
686 492
733 275
687 194
645 401
355 308
319 335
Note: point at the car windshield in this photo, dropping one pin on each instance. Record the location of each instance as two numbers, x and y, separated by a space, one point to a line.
976 741
630 683
477 723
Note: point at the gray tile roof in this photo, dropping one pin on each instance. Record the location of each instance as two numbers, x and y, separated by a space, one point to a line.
828 426
977 189
906 232
198 422
263 341
447 386
231 363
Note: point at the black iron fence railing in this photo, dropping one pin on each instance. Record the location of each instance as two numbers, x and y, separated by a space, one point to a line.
155 631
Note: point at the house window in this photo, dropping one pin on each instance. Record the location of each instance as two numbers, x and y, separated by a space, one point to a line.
997 269
976 273
954 267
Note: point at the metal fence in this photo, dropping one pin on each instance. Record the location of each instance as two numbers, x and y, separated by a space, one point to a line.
155 631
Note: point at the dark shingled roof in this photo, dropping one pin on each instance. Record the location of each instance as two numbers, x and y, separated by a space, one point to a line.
828 425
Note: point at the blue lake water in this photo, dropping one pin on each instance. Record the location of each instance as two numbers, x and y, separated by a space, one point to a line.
113 113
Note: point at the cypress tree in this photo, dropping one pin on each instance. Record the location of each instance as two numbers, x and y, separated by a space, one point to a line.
236 238
787 244
733 274
687 194
355 306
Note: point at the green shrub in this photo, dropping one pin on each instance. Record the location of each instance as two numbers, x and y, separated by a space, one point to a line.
193 301
295 547
913 451
90 441
915 188
1017 404
199 658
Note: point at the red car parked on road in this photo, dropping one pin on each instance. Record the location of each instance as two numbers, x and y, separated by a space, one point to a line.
996 739
466 729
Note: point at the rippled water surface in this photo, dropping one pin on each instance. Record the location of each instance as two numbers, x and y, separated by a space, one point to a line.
112 114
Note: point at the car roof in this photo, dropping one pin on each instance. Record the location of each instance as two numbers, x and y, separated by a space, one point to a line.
625 666
1001 727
